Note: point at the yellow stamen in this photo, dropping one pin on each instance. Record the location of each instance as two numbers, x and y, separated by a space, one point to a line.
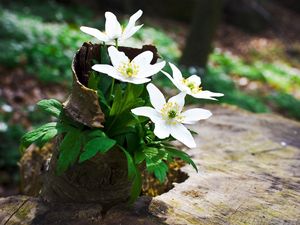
129 69
192 86
171 113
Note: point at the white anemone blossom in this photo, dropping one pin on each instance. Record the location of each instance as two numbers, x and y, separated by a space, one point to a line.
168 116
136 71
190 85
113 29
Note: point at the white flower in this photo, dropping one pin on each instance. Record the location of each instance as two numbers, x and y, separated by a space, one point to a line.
168 116
136 71
113 29
190 85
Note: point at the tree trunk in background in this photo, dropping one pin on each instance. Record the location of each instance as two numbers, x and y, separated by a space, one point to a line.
199 41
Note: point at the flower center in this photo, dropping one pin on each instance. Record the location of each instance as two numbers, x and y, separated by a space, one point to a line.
171 113
194 88
129 69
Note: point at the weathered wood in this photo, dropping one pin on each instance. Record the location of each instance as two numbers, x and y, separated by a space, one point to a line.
32 211
249 173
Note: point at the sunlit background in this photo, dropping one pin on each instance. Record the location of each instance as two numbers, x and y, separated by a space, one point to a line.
247 49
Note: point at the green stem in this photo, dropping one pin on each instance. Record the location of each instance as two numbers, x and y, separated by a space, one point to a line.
112 88
116 116
117 44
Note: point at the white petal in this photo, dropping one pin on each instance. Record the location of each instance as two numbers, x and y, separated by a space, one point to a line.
157 99
150 70
117 57
95 33
179 85
193 115
136 80
161 130
148 112
182 134
109 70
207 95
128 32
103 68
143 59
113 28
176 72
194 78
179 99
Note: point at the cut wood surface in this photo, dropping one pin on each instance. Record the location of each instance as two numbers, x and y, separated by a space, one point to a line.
249 173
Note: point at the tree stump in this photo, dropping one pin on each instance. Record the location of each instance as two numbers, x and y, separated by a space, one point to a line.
249 173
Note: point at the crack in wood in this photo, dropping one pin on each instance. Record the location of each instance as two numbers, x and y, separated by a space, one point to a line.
18 208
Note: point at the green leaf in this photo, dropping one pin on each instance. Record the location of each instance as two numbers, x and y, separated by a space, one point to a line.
93 81
131 95
95 133
34 135
133 141
158 167
51 106
135 175
102 99
182 155
130 164
150 152
120 139
99 144
124 131
136 186
120 115
104 85
160 171
69 151
118 101
139 157
50 134
105 59
121 123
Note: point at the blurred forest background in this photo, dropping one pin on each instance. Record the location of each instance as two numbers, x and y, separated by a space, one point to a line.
247 49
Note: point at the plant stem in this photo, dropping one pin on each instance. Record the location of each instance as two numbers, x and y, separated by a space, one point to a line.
112 88
117 44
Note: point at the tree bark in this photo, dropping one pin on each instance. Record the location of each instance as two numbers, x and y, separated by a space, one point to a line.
199 41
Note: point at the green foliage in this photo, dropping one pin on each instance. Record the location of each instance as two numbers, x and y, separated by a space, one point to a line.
286 104
182 155
51 106
9 156
48 131
98 144
43 49
40 135
134 175
282 78
278 75
120 116
50 11
218 81
69 150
